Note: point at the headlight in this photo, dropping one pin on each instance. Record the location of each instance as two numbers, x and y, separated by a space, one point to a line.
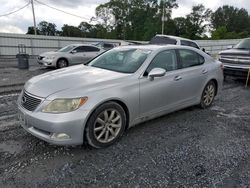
64 105
50 57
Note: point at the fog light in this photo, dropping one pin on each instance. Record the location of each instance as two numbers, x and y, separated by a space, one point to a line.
61 136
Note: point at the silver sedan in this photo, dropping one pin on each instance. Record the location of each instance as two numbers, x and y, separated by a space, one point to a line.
69 55
96 103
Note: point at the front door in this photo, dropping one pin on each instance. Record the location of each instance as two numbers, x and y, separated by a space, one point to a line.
161 93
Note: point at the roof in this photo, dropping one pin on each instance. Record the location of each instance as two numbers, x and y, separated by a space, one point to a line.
153 47
81 44
174 37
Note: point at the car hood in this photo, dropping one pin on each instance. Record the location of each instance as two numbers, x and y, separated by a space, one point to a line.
71 78
49 54
235 51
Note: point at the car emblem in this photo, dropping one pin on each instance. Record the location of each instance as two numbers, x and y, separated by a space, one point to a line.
24 99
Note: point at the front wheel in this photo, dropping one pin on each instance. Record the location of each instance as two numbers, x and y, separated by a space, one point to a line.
208 95
61 63
106 125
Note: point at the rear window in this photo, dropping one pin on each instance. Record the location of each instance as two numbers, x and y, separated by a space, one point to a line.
189 43
162 40
190 58
106 45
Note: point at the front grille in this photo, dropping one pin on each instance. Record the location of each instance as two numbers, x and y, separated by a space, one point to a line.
235 59
29 102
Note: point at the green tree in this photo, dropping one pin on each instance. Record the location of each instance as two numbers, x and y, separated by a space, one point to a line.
71 31
219 33
46 28
31 30
181 26
135 19
195 21
234 19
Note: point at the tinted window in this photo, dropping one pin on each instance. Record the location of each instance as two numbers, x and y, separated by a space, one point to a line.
189 43
106 45
67 48
244 44
165 60
91 49
79 49
190 58
162 40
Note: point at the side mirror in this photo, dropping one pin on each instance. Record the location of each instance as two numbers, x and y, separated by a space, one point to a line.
73 51
230 47
156 72
203 49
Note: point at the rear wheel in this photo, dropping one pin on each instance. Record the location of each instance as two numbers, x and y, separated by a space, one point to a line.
106 125
61 63
208 95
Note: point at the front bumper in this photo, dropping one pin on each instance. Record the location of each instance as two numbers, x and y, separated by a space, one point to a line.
45 125
236 71
46 63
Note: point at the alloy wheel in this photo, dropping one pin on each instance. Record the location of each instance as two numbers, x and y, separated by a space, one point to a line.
107 125
209 94
62 63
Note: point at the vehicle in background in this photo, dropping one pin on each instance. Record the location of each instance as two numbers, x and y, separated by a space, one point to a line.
122 87
236 60
130 42
69 55
169 39
105 45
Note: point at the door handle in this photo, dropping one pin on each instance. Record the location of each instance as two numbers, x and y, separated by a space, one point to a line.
204 71
176 78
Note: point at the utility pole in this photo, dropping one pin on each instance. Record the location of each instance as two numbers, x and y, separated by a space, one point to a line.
34 17
163 18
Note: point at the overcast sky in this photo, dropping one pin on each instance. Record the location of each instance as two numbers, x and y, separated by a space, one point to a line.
19 22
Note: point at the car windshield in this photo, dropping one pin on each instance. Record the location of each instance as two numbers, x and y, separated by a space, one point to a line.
121 60
67 48
244 44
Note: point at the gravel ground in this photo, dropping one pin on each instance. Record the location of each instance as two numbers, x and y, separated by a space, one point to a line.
188 148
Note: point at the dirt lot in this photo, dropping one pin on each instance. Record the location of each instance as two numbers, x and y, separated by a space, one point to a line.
188 148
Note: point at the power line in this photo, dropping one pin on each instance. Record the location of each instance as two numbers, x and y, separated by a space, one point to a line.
61 10
7 14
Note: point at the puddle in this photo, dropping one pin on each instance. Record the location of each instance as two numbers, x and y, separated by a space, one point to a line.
11 147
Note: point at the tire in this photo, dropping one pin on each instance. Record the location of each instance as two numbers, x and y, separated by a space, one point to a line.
106 125
61 63
208 95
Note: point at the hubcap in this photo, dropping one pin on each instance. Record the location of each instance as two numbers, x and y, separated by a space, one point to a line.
62 63
208 95
107 125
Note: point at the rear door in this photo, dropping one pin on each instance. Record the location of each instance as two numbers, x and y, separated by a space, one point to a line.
78 55
90 52
193 75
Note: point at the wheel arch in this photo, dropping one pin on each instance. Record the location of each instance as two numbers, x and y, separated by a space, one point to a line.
116 100
60 58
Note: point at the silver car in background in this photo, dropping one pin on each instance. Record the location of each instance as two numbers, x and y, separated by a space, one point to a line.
69 55
96 103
